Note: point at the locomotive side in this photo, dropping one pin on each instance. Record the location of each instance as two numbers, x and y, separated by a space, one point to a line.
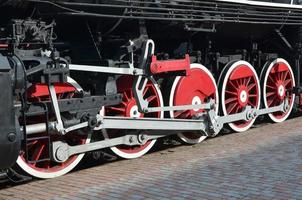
80 76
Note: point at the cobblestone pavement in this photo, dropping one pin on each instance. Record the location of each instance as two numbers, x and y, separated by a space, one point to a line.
263 163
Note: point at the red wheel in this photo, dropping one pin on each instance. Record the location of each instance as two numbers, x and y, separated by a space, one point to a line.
194 89
239 87
129 108
277 78
38 163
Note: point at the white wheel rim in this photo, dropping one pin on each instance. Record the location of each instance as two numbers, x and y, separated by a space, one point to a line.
225 80
171 100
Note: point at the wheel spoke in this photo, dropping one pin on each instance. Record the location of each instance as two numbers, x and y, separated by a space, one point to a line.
187 114
279 76
231 108
232 84
250 87
230 92
237 109
37 153
117 109
247 81
253 96
287 82
145 91
270 94
230 100
270 102
270 87
125 95
31 144
250 104
177 114
152 98
286 73
271 79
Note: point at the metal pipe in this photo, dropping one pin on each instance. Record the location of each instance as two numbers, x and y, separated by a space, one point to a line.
38 128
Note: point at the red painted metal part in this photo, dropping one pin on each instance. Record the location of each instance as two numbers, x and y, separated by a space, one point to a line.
3 46
41 90
241 71
158 67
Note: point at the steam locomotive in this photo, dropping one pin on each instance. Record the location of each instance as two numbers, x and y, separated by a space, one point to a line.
86 75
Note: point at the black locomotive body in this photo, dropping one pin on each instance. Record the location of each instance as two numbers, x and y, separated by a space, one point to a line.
85 75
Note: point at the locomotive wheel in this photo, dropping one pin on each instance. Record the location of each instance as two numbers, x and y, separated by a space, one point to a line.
239 87
129 108
38 144
277 79
194 89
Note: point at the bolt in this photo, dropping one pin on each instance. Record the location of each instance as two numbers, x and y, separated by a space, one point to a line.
11 137
130 139
61 154
143 137
255 114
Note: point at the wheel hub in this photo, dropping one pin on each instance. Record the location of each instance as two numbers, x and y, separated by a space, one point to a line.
134 112
243 96
196 101
132 109
281 91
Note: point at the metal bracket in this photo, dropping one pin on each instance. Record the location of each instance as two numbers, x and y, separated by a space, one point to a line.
139 86
62 151
59 123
